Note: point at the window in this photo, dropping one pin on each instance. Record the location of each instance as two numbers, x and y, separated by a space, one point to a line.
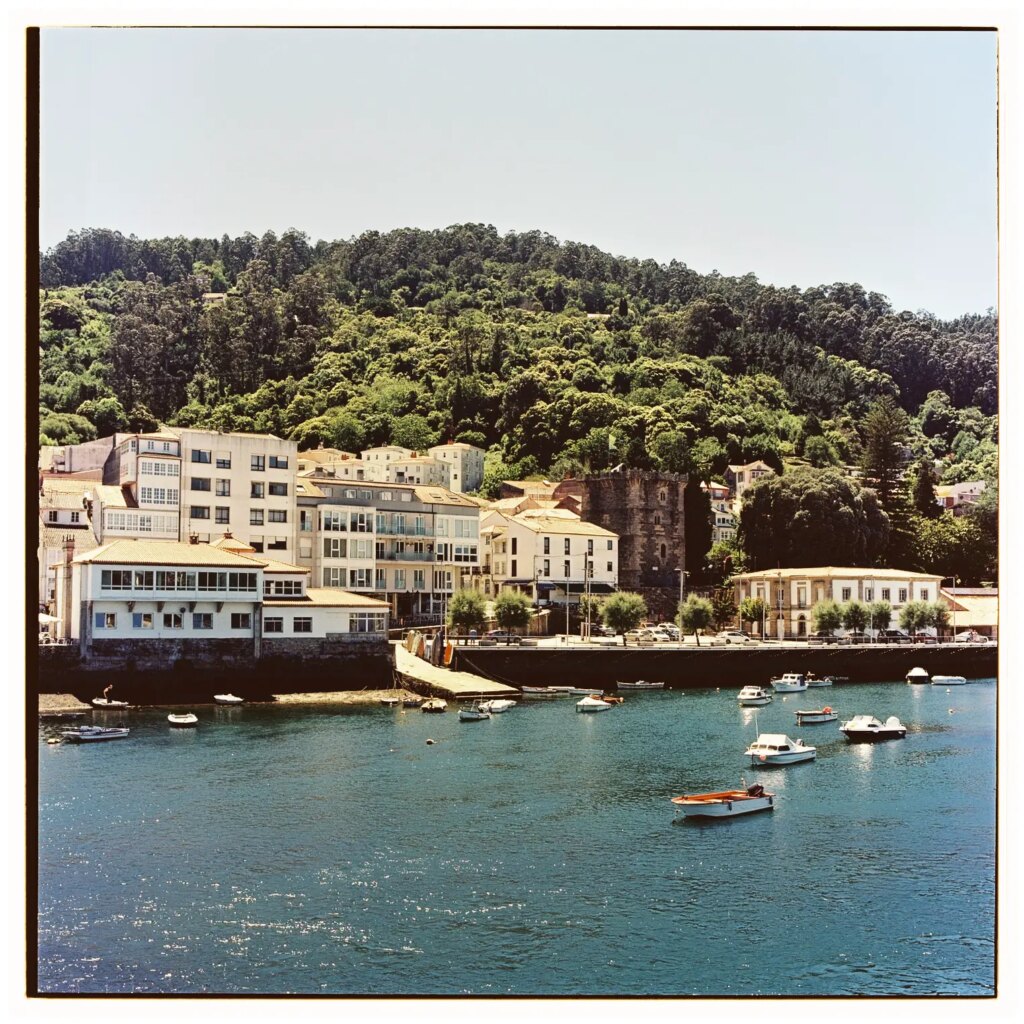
334 577
609 567
885 593
278 462
868 594
515 547
115 579
200 512
567 551
242 582
514 573
590 547
399 579
241 620
144 579
359 577
657 519
273 624
255 517
610 545
565 565
200 456
256 490
223 460
379 580
419 580
106 620
200 483
547 545
222 515
256 543
903 595
547 567
302 624
279 490
223 488
846 594
334 522
924 593
361 523
367 622
52 517
278 545
173 620
256 463
334 547
278 516
202 620
75 517
142 620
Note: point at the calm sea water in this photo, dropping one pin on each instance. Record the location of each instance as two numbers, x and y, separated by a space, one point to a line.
334 851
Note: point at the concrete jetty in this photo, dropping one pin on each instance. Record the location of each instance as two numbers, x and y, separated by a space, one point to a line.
419 675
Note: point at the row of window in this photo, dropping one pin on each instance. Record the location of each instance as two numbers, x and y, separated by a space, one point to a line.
282 588
340 547
546 568
159 495
886 594
140 522
222 514
257 463
566 546
54 517
361 578
334 521
159 467
172 620
158 579
257 489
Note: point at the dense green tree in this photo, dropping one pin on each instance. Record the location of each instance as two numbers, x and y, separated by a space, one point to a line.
855 615
624 611
753 609
879 614
827 616
922 495
695 614
914 615
723 607
466 610
512 610
938 616
884 432
697 528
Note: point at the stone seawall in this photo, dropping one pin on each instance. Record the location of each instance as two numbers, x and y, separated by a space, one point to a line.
717 666
194 674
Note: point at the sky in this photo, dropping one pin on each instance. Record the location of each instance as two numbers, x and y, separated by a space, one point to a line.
802 157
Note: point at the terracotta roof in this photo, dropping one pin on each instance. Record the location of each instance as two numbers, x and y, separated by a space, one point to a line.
325 597
164 552
831 571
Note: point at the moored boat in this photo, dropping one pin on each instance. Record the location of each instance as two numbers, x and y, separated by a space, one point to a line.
412 702
868 729
825 714
611 698
540 691
949 681
813 680
105 702
789 682
183 721
390 702
584 691
591 704
727 804
93 734
473 714
434 705
641 684
497 705
917 675
227 698
772 748
754 696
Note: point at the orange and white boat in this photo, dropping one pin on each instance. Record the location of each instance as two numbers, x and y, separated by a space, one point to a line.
727 804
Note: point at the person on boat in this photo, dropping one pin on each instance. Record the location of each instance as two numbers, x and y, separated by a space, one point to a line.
107 690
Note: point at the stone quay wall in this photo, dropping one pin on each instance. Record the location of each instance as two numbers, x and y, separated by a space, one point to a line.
693 669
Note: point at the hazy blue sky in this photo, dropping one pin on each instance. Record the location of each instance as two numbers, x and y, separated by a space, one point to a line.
803 157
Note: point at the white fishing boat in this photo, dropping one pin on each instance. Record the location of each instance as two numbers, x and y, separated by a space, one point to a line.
641 684
813 680
819 717
949 681
183 721
754 696
412 702
868 729
473 714
591 704
564 689
585 691
775 748
497 705
540 691
727 804
104 702
93 734
789 682
917 675
227 698
434 705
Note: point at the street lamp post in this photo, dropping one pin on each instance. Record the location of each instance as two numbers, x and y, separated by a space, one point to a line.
782 627
682 590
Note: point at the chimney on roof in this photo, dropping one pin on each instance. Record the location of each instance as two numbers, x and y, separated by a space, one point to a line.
227 535
69 548
193 538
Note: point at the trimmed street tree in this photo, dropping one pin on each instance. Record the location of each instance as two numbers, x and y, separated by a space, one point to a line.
827 617
695 613
723 607
914 615
624 611
466 610
938 616
880 614
752 609
512 609
855 615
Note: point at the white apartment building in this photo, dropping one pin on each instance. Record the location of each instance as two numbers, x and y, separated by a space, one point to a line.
740 478
64 526
466 465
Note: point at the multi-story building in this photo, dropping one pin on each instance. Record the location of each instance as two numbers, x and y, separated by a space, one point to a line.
739 478
403 543
972 608
65 527
791 594
723 520
958 498
456 467
465 465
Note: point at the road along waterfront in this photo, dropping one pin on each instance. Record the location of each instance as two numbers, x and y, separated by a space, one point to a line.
331 850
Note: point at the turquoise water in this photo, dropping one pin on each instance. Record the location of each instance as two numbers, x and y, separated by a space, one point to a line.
277 850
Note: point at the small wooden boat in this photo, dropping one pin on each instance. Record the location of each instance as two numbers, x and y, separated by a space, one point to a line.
754 696
434 705
868 729
775 748
825 714
813 680
183 721
591 704
789 682
584 691
390 702
949 681
917 675
641 684
540 691
727 804
227 698
104 702
610 698
497 705
413 702
473 714
92 734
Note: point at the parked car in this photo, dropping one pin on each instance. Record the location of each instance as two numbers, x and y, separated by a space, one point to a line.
854 636
671 628
925 638
892 636
598 630
639 635
822 638
503 636
970 637
735 636
661 634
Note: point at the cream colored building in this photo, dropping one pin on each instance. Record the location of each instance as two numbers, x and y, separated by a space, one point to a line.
791 594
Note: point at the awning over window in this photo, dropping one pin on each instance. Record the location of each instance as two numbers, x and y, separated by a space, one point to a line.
595 588
544 585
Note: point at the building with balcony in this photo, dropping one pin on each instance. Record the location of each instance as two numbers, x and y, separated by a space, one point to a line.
791 594
739 478
958 498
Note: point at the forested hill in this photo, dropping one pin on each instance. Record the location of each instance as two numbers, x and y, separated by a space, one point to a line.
558 353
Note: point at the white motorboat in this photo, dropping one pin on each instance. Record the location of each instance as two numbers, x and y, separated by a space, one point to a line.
104 702
917 675
93 734
540 691
727 804
473 714
868 729
227 698
789 682
949 681
813 680
390 702
585 691
754 696
434 705
591 704
183 721
497 705
825 714
564 689
641 684
776 748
